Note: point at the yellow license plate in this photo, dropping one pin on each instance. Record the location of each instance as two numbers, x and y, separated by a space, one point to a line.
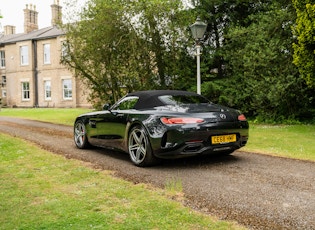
223 139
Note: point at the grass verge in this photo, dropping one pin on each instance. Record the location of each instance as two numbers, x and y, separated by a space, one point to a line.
64 116
40 190
292 141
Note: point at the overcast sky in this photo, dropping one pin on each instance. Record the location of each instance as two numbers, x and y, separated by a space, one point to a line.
13 14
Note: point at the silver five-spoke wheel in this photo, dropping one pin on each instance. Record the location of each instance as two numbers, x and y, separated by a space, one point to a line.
80 138
139 147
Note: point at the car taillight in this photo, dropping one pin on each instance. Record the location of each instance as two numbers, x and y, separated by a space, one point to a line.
241 117
181 120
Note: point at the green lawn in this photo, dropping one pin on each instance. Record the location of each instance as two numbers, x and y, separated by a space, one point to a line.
294 141
40 190
60 116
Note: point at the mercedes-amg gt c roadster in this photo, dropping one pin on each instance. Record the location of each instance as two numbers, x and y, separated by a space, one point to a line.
163 124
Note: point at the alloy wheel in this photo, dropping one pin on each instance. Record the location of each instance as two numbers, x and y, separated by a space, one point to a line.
80 135
138 144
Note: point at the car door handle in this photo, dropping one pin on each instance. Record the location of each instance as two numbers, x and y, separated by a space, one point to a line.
116 114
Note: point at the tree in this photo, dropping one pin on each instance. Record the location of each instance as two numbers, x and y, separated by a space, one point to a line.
98 49
120 46
220 16
259 59
304 49
252 44
161 25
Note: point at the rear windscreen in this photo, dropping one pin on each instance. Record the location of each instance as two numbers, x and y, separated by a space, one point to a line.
182 99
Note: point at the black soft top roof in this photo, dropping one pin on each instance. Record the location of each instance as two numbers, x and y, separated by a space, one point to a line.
150 98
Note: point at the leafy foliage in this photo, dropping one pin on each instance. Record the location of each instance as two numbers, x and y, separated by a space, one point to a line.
120 46
97 48
253 60
304 49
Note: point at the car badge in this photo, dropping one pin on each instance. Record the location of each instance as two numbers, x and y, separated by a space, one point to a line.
222 116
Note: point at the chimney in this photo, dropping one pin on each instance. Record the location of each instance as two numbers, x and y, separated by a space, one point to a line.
9 30
30 19
56 14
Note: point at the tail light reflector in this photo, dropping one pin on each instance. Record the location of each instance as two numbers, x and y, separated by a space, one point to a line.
241 117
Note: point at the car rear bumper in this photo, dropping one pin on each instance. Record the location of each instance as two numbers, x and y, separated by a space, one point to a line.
189 149
181 143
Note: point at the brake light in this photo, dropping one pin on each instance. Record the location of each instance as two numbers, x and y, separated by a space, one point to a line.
181 120
241 117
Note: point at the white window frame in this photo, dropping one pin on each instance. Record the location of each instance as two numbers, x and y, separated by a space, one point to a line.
25 91
47 89
2 59
67 89
24 55
46 49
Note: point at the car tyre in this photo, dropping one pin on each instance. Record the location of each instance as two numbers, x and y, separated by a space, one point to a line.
80 137
139 148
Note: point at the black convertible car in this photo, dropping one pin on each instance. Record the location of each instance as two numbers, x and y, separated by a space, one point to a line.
157 124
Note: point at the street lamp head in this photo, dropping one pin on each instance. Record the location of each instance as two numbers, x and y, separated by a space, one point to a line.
198 29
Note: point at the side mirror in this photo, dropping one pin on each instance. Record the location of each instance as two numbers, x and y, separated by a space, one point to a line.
106 106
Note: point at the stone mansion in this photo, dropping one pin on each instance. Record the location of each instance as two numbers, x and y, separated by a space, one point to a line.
30 71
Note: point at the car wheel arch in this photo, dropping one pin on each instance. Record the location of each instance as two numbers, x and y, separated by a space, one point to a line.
130 126
83 119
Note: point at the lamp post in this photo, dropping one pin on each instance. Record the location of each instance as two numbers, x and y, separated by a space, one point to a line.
198 30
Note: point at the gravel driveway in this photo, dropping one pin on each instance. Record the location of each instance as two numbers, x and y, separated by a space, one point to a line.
258 191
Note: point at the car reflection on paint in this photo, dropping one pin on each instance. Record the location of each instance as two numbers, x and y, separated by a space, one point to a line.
163 124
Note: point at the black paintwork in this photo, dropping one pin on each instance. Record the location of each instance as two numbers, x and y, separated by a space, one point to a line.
110 128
